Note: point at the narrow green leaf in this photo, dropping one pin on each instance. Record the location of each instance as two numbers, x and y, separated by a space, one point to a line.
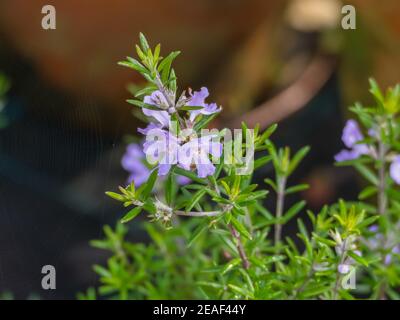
230 265
165 65
357 258
295 209
366 173
190 108
197 232
298 188
297 158
367 192
262 161
195 199
191 175
240 228
141 104
143 42
145 190
115 196
131 215
170 188
133 64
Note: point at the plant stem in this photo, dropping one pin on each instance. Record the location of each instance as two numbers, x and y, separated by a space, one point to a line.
338 275
280 202
163 90
239 246
199 214
235 234
382 202
382 198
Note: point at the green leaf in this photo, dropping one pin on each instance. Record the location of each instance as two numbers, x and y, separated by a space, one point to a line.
172 81
297 188
366 173
227 217
267 133
102 271
190 108
368 221
240 291
195 199
328 242
115 196
141 104
204 121
145 91
367 192
131 215
264 211
376 92
210 284
197 232
295 209
240 228
165 65
170 188
143 42
230 265
189 174
357 258
271 183
133 64
145 190
297 158
262 161
157 52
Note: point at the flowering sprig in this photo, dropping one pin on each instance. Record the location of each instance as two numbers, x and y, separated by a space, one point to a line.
217 228
375 155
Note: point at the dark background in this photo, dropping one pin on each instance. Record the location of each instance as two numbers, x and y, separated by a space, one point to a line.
67 116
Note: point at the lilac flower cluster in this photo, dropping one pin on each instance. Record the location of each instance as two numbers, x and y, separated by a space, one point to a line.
133 161
185 149
164 149
352 137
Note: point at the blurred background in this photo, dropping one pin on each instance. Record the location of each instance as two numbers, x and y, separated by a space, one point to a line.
64 119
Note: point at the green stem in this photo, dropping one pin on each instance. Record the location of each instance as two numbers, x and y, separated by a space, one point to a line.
280 202
382 203
338 274
239 245
199 214
382 198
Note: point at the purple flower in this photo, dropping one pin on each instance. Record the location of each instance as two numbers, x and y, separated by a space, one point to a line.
149 127
389 256
350 137
197 99
181 180
346 155
343 268
196 154
351 134
157 99
132 161
374 228
395 169
161 148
